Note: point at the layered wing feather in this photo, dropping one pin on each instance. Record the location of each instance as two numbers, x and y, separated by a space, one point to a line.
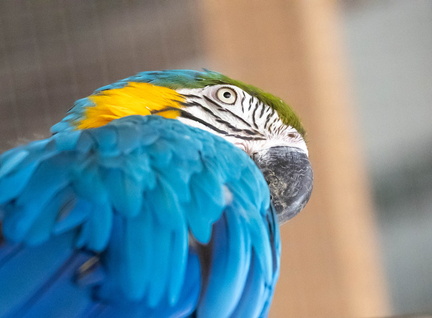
144 217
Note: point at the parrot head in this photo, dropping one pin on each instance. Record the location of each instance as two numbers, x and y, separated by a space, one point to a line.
259 123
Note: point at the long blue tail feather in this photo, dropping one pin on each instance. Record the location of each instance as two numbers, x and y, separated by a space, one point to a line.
24 274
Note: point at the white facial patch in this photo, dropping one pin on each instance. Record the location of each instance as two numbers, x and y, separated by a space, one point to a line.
238 117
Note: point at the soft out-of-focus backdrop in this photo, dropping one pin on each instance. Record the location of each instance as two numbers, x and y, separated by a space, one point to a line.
390 50
358 72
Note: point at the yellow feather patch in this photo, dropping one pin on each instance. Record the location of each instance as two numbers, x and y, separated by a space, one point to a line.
133 99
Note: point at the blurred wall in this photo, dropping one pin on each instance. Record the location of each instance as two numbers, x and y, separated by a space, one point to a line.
390 49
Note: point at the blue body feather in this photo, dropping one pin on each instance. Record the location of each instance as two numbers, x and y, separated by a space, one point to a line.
133 220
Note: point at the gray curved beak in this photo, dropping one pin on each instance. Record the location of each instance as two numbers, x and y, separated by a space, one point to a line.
289 175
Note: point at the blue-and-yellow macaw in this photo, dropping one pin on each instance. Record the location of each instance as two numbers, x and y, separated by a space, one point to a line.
156 196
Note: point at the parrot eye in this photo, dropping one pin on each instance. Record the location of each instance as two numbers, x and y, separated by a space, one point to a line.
295 136
226 95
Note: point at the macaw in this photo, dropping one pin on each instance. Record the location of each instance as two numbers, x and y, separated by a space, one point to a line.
156 196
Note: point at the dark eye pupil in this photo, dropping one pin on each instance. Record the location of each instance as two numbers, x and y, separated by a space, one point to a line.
227 94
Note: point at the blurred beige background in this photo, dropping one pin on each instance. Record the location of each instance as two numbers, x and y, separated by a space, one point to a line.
359 74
